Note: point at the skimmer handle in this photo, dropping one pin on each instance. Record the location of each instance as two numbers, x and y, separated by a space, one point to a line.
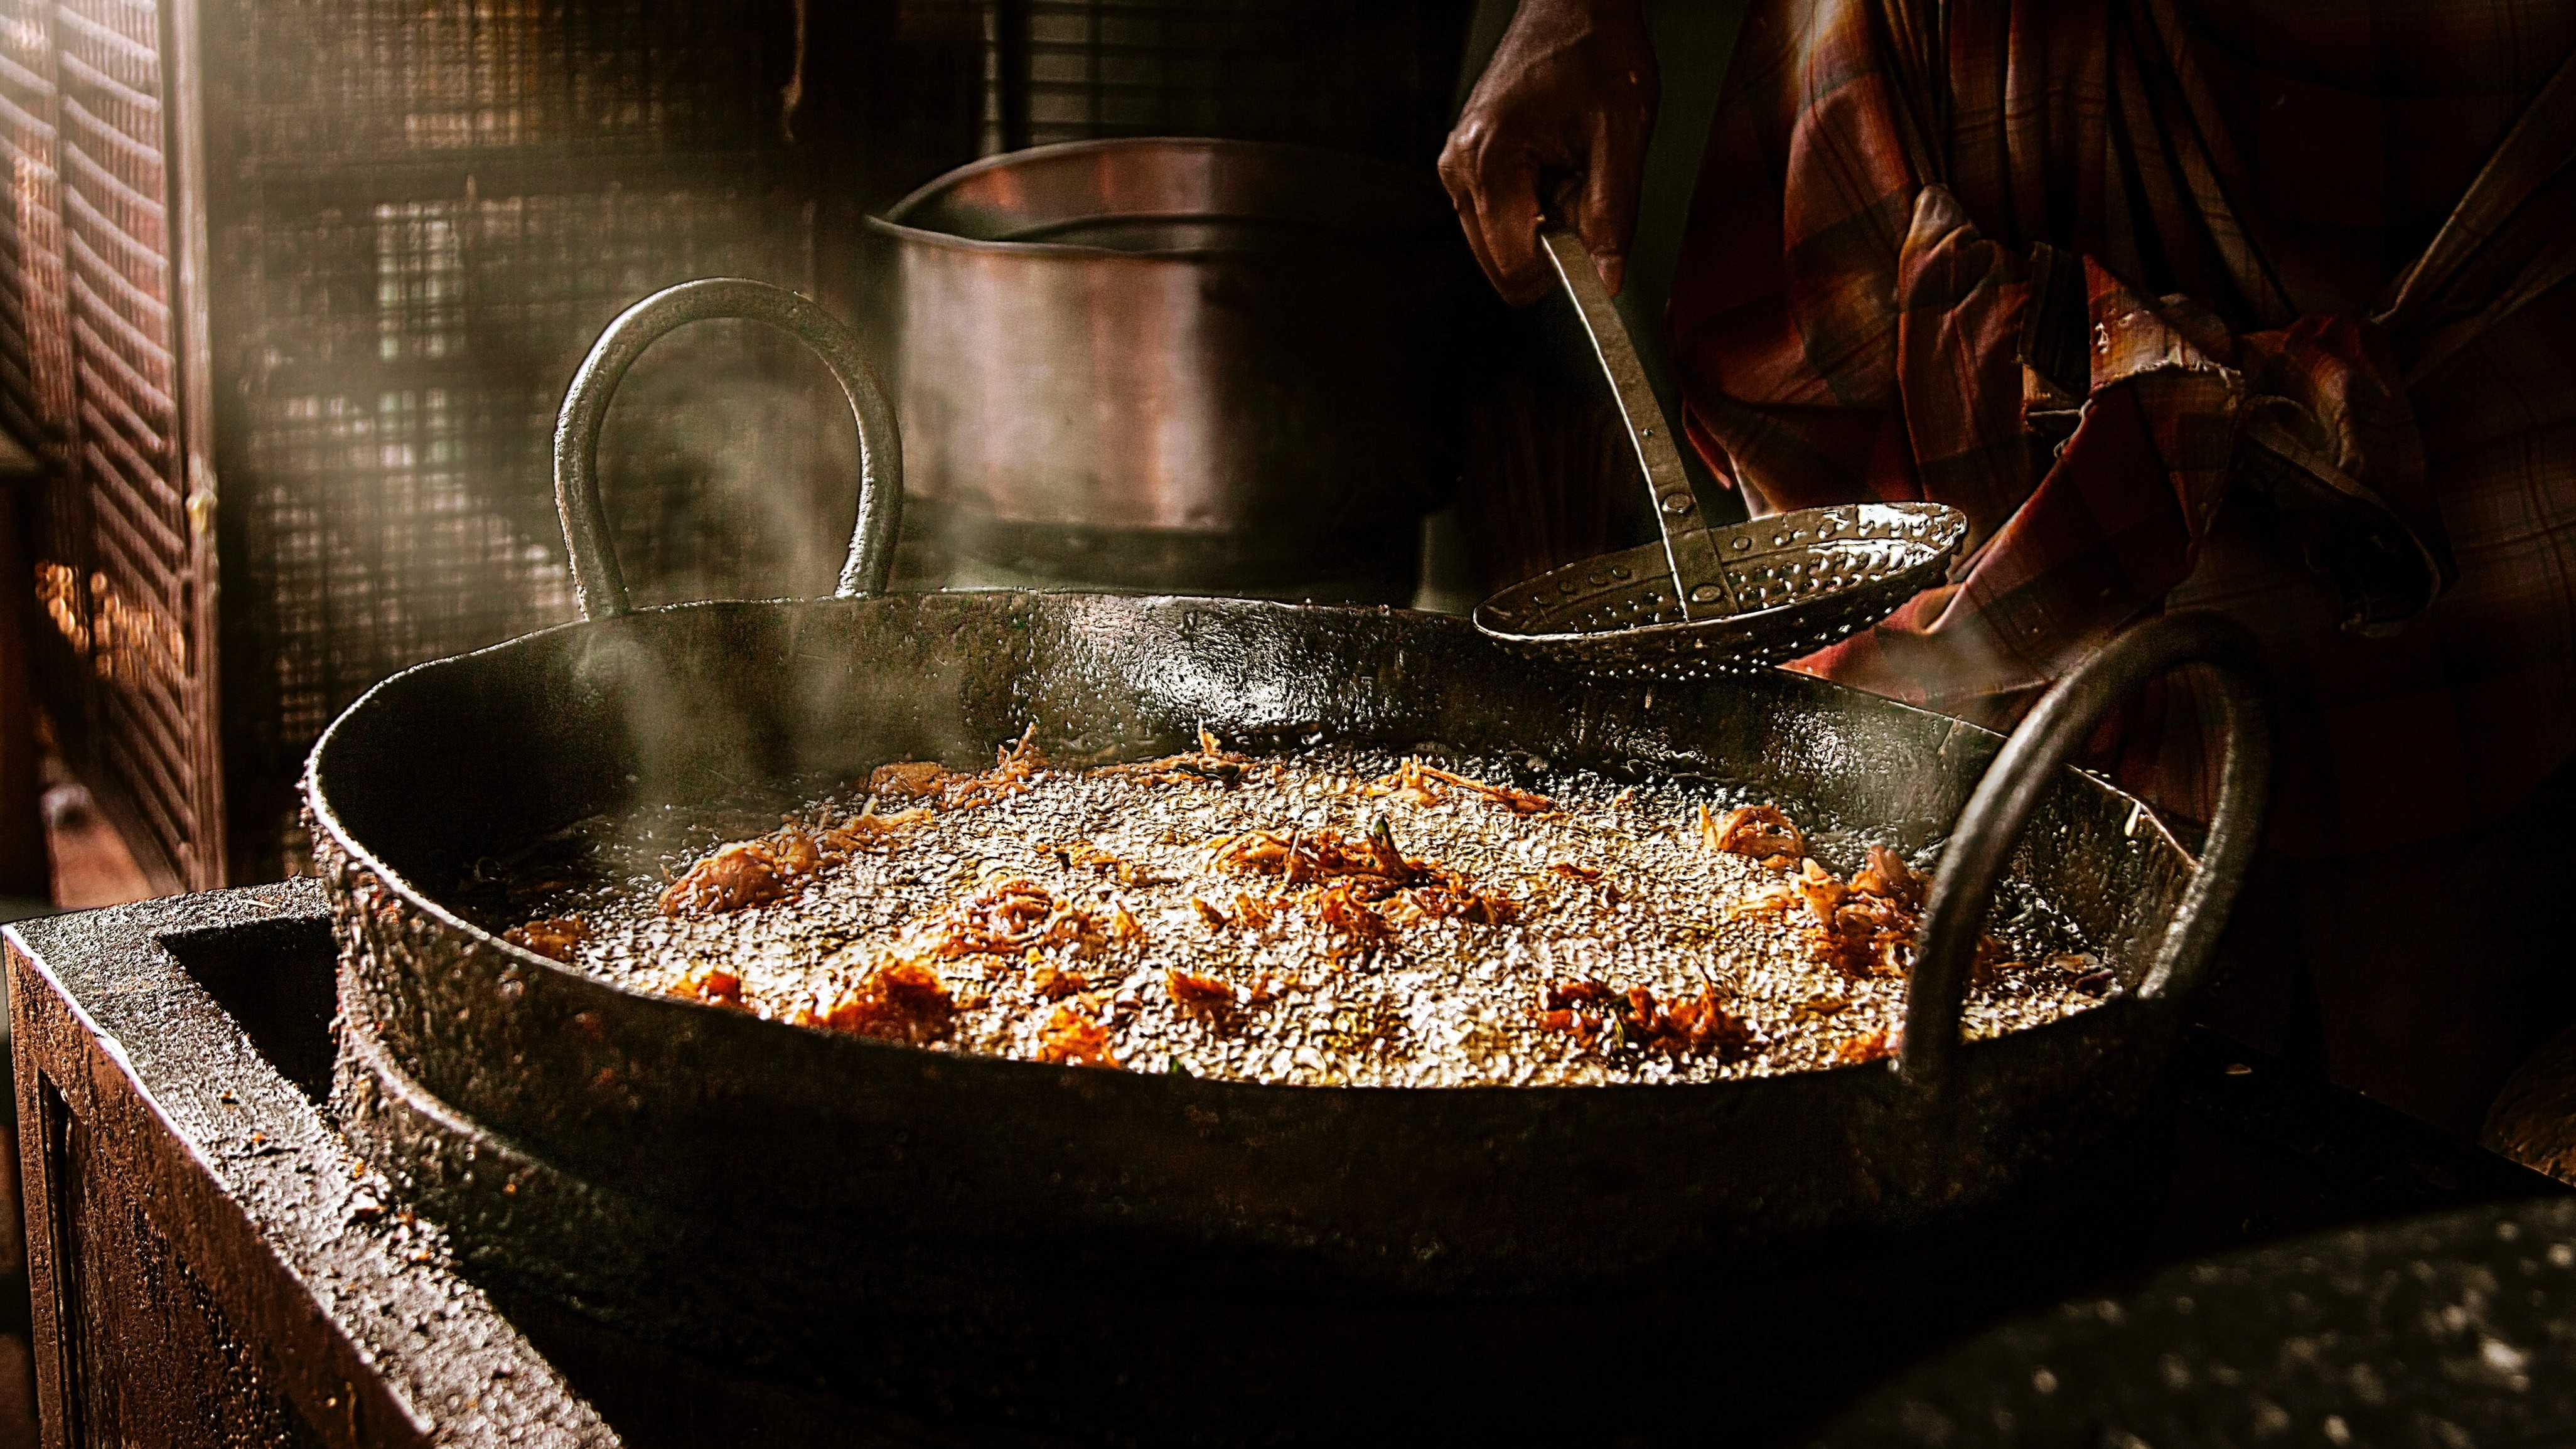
599 584
1699 580
1981 845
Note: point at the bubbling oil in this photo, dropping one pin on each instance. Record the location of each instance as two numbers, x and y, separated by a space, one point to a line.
1606 882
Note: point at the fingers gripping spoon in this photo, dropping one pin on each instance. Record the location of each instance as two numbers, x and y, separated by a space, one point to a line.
1704 599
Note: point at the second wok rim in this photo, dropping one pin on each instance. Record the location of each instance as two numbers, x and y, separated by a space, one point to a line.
895 221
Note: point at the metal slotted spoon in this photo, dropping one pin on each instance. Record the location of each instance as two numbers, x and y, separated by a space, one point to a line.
1710 600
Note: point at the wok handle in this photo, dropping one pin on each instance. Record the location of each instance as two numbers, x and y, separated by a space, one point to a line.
1982 843
599 584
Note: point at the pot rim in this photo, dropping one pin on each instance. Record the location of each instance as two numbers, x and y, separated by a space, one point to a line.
892 222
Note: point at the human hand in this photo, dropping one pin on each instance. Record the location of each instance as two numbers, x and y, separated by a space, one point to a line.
1563 111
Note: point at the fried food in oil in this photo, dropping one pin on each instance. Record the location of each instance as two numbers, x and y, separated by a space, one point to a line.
1760 831
1875 1046
929 781
1422 784
1595 1015
1267 919
1864 927
1073 1038
714 985
907 780
1358 875
746 873
900 1001
757 872
1008 916
1048 982
553 937
1014 765
1888 877
1083 855
1210 763
1195 992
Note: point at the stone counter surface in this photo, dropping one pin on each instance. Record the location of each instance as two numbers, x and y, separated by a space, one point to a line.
209 1263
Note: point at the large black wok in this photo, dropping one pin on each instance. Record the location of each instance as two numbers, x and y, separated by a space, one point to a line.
775 1193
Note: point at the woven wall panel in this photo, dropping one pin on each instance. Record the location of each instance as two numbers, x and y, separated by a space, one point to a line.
417 214
393 478
424 214
1371 76
345 79
116 243
35 329
36 350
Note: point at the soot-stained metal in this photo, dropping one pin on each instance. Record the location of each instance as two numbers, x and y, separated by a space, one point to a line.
699 1175
210 1263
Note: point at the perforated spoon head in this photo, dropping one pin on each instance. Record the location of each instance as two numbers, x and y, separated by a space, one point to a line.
1791 584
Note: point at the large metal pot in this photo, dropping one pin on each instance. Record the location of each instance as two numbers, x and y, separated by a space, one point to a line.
1177 363
861 1214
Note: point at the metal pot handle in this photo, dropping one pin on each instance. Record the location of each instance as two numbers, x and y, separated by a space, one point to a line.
599 584
1990 826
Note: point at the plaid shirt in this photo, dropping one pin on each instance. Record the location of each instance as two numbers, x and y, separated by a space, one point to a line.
2241 304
